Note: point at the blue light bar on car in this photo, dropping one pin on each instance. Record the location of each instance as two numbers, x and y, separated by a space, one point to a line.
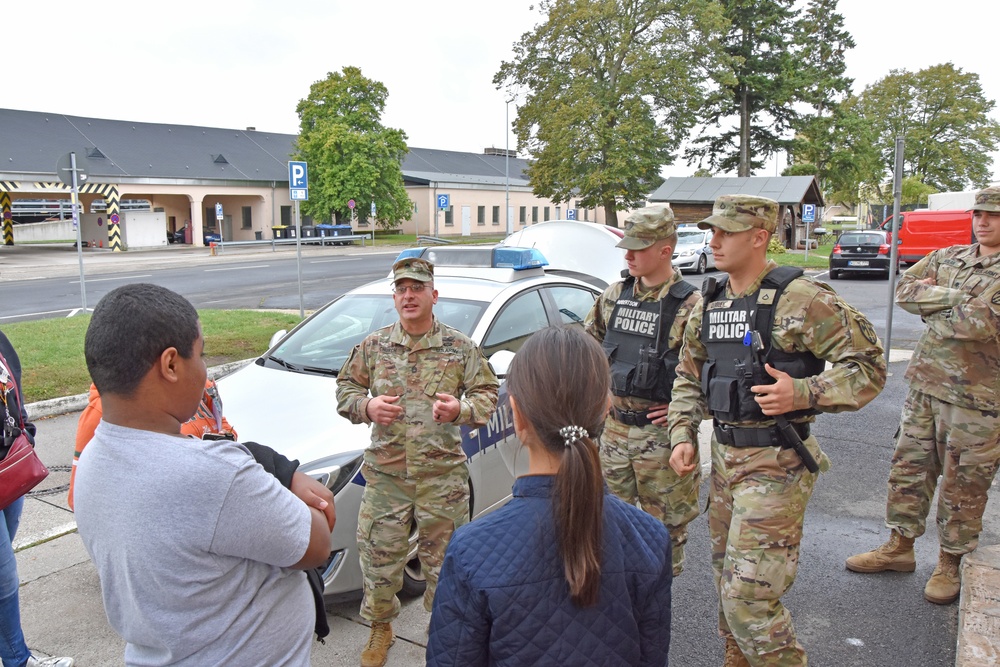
409 252
518 258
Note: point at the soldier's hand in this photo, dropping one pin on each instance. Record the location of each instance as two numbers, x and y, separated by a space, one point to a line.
683 458
382 410
777 398
446 408
314 495
658 413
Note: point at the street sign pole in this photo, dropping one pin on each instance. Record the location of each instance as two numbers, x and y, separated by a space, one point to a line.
79 233
298 257
298 191
897 195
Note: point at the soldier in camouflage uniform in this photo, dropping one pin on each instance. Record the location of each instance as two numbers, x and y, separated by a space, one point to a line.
415 382
640 321
760 483
950 425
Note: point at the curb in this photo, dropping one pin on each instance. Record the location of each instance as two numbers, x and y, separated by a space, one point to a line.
67 404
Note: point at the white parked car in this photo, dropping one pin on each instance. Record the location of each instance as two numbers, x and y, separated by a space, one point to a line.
693 252
286 398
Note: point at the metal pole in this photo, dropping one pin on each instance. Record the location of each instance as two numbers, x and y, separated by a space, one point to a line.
298 257
897 196
506 171
79 235
807 241
436 209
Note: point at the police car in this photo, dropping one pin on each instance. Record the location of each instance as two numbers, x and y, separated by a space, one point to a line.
286 398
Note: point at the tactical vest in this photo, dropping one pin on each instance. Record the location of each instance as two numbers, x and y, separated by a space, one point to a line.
636 342
726 377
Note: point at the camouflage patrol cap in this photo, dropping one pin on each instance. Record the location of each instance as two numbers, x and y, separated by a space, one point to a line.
646 226
987 200
738 213
414 269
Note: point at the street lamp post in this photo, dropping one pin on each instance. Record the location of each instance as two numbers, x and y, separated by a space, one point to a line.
506 170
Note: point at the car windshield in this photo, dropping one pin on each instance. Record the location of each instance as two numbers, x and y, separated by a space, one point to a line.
690 237
325 340
862 239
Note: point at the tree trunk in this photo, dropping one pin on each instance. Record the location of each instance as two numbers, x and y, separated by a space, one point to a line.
610 213
744 168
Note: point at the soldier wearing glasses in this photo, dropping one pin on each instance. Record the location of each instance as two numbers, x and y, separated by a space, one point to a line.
415 381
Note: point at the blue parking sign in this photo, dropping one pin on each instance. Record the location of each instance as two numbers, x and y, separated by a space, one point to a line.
444 201
571 214
809 213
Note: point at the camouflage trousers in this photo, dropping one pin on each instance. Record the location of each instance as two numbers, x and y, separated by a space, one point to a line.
962 446
757 503
390 507
636 469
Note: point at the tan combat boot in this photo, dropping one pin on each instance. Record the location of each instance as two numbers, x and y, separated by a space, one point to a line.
944 585
734 656
895 555
377 650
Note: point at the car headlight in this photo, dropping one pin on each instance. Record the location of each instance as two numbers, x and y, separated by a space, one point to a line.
686 252
334 472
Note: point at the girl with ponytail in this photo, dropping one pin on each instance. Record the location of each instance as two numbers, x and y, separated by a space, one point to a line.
565 573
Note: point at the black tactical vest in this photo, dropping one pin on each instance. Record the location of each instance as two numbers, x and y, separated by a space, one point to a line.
726 376
636 342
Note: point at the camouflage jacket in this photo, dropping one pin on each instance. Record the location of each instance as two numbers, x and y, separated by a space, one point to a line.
957 359
596 324
391 362
810 317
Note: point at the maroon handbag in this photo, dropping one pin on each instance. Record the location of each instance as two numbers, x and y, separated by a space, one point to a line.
20 470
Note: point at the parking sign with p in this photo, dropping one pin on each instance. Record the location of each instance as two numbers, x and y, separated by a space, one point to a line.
298 181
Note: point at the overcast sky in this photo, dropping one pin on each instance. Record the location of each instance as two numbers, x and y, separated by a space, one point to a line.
234 65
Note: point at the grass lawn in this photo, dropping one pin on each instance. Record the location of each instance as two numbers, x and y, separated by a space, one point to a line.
51 351
819 258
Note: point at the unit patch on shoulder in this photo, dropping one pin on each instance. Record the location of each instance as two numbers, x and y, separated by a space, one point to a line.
868 331
996 298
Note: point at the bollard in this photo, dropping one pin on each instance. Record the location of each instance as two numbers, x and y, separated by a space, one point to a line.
211 248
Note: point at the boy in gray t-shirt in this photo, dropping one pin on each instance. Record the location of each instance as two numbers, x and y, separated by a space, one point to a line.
199 550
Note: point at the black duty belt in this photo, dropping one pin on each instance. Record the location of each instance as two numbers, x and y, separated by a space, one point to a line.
631 417
766 436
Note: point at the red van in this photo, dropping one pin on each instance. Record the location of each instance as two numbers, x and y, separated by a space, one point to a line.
923 231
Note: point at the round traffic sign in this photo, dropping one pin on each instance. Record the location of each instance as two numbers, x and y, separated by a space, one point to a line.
114 218
350 203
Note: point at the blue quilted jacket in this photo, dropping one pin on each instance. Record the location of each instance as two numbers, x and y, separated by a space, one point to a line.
502 598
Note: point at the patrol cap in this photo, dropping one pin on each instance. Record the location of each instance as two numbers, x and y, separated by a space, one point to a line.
987 200
646 226
414 269
738 213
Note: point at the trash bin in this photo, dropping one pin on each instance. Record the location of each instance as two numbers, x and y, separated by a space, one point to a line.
258 236
308 231
342 230
280 231
324 229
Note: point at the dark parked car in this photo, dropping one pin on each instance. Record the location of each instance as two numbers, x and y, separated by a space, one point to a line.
208 236
863 252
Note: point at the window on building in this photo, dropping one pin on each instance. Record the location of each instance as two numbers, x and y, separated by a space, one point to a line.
286 215
481 215
586 214
247 217
496 215
558 213
449 216
534 214
523 215
546 213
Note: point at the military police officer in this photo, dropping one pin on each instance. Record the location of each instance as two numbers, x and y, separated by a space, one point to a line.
754 357
640 323
950 426
415 381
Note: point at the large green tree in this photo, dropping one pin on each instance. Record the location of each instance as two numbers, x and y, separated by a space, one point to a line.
822 41
351 155
610 88
943 115
749 119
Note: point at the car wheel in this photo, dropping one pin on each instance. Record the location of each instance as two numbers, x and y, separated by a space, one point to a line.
834 274
414 581
702 265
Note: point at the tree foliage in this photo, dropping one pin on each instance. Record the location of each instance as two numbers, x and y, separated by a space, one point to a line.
351 155
943 115
610 89
760 42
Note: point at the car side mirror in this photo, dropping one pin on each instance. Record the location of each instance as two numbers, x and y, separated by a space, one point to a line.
500 362
278 335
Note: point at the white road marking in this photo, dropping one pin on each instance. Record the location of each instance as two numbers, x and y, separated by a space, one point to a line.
98 280
240 268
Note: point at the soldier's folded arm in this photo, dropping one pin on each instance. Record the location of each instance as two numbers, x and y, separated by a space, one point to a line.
480 399
977 319
352 388
920 298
